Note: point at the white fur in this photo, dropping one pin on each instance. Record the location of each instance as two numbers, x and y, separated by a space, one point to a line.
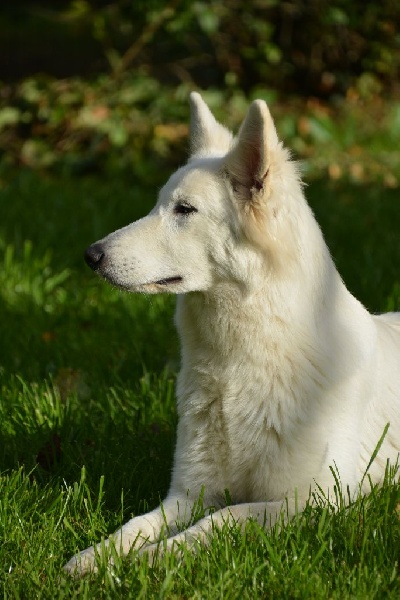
284 373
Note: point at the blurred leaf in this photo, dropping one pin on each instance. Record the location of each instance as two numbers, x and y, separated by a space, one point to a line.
320 129
9 115
394 121
117 134
207 17
31 91
77 9
337 16
37 154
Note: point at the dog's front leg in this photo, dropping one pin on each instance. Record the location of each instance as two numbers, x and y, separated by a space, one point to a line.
267 514
136 533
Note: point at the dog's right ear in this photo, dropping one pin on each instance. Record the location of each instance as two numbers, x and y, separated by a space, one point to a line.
207 136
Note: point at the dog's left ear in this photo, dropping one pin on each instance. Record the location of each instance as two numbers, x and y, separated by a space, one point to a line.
207 136
249 161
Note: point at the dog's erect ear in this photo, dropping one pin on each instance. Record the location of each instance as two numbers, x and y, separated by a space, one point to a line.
207 136
249 161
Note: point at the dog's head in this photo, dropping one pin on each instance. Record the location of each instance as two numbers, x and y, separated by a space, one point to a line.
223 215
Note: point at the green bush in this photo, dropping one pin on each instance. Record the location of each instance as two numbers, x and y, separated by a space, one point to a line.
317 47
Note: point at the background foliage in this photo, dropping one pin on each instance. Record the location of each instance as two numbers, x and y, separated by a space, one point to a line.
339 59
314 47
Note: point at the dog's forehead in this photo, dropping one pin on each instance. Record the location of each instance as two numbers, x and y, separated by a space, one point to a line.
194 179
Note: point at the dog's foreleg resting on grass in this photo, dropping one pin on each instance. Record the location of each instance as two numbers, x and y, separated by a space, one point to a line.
157 532
199 534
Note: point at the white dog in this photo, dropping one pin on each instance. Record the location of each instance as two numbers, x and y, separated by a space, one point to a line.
284 373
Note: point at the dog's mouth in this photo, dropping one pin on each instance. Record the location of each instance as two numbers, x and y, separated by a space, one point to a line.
169 280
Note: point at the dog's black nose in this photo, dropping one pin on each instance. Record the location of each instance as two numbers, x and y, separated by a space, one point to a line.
94 256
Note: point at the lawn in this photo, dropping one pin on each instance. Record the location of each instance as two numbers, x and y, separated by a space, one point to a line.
87 415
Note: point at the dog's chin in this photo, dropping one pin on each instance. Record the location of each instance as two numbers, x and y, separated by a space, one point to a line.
171 285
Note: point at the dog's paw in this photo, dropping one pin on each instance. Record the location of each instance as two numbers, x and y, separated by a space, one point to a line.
82 563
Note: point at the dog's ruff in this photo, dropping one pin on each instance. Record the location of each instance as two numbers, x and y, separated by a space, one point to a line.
284 373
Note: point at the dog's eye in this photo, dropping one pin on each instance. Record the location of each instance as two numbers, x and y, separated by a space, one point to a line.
184 209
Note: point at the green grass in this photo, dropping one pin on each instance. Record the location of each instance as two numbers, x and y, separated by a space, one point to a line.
87 417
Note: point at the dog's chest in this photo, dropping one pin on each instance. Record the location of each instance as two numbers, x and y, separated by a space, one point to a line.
240 397
249 427
238 434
